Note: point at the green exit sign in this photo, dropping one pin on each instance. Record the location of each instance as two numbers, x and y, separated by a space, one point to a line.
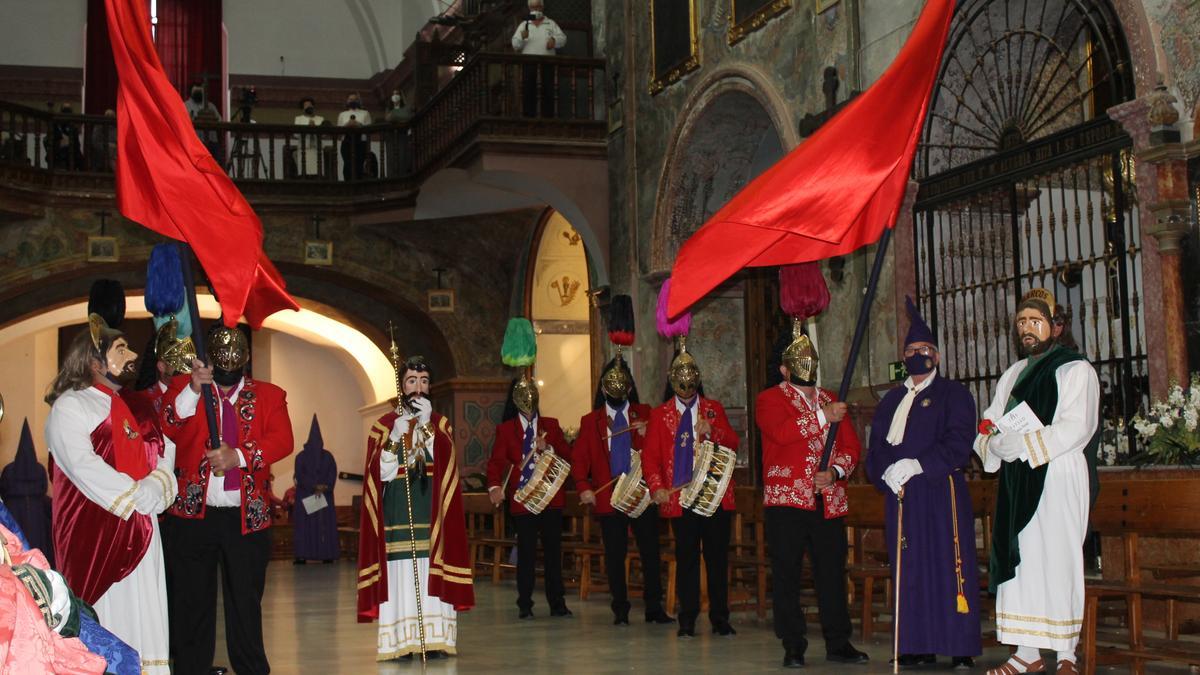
897 371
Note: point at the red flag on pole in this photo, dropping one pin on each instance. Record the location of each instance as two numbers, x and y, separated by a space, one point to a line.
168 181
836 191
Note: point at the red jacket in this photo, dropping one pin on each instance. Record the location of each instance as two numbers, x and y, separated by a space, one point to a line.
264 437
506 457
793 441
658 459
590 467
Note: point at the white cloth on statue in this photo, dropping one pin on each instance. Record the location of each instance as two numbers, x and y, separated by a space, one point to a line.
895 434
1042 606
398 624
135 608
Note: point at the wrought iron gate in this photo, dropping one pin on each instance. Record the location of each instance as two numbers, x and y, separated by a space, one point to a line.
1026 183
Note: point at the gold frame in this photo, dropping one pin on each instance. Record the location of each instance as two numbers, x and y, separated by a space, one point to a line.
686 66
94 242
739 31
327 259
446 303
822 5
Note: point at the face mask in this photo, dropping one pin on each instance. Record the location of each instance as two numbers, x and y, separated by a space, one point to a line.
197 96
308 110
919 364
685 381
396 99
537 14
226 378
353 105
525 397
795 379
120 363
616 383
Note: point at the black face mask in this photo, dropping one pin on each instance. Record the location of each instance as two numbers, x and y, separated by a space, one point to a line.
197 96
794 379
614 403
353 105
918 364
308 110
226 378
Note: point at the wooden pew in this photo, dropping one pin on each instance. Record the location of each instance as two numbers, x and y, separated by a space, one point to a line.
1130 509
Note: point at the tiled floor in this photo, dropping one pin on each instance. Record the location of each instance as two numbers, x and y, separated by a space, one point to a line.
309 622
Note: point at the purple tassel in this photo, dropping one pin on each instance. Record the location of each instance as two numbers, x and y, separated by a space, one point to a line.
666 327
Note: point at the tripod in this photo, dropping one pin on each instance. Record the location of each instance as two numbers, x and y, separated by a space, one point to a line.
244 152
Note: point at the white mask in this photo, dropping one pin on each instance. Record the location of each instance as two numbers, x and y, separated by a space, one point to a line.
395 98
537 14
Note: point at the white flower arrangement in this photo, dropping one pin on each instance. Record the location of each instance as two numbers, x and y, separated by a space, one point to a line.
1171 428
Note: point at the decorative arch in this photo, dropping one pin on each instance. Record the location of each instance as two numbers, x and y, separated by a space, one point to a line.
735 100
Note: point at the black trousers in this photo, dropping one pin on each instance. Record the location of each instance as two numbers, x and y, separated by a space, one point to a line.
614 529
692 534
791 532
193 552
548 526
538 86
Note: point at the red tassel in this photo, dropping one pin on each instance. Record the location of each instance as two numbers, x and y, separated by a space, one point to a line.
802 290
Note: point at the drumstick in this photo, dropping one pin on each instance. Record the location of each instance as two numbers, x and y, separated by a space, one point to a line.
631 427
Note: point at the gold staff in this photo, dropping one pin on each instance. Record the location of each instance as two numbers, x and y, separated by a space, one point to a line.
408 485
899 548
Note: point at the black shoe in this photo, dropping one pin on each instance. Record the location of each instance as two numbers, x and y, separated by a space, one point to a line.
723 629
560 611
621 619
437 654
686 631
962 662
915 660
525 614
793 658
659 617
847 654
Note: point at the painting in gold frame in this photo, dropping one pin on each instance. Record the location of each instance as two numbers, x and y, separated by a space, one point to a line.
103 249
747 16
672 64
822 5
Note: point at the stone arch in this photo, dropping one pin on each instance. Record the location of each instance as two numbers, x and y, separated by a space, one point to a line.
733 108
1139 39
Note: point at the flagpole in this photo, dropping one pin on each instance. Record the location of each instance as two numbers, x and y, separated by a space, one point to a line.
860 329
193 309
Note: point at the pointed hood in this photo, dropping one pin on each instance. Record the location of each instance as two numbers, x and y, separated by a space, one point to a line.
314 442
918 330
24 475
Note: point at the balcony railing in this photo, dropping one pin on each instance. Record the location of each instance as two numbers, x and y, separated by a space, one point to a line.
547 100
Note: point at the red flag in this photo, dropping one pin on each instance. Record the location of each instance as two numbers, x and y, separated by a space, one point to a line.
168 181
833 193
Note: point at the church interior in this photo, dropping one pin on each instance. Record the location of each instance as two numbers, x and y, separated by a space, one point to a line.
421 172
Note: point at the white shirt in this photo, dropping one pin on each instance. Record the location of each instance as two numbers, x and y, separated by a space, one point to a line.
73 418
305 120
185 406
361 116
539 35
812 405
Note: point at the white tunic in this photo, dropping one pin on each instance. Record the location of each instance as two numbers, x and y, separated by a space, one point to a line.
135 608
1042 606
399 626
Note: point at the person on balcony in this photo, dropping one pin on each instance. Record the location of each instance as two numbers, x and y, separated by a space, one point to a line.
538 35
308 145
400 114
354 146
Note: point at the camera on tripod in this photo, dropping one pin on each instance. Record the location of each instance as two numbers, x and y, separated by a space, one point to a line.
246 106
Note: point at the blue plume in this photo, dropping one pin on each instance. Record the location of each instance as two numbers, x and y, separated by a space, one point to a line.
164 287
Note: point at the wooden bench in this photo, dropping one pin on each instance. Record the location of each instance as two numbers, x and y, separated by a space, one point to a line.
1130 509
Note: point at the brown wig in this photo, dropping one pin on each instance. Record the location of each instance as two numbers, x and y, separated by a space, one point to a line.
76 371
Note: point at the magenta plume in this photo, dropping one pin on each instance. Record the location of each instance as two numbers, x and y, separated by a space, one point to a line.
802 290
666 327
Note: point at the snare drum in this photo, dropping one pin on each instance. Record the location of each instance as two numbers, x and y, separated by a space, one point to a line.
711 473
630 494
549 474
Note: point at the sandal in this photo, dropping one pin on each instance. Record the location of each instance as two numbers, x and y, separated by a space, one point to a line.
1066 667
1013 665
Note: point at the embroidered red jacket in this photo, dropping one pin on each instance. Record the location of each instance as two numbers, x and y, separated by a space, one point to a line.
793 440
264 437
507 455
658 459
590 468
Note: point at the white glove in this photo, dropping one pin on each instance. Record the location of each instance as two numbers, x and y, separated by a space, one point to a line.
1008 447
60 601
399 427
424 410
900 472
148 498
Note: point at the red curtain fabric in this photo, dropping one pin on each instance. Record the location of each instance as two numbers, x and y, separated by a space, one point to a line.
100 73
188 41
168 181
833 193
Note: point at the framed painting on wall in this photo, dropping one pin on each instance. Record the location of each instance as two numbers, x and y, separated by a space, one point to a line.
747 16
674 42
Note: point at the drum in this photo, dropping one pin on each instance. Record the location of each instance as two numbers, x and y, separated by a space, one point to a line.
712 469
549 474
630 494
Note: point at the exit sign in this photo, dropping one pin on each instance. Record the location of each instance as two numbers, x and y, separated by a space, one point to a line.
897 371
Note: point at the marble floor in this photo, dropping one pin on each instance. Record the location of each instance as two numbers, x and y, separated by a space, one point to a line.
310 627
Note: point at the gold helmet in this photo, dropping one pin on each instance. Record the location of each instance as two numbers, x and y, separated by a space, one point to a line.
617 381
525 396
227 348
684 374
175 352
800 357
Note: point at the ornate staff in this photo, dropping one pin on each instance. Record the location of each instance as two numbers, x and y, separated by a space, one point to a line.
408 484
899 549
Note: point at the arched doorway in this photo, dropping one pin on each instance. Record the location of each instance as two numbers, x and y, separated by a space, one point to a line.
557 304
1025 182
